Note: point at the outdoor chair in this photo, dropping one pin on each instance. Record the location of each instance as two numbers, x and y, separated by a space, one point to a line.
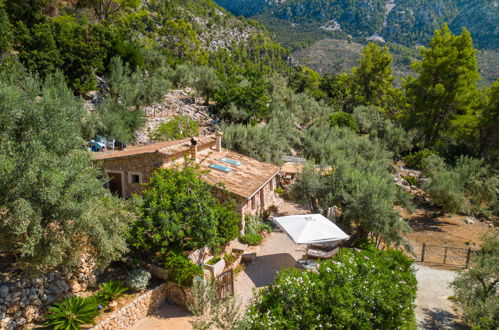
321 254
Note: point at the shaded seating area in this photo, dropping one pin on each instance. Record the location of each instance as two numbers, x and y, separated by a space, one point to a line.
321 253
323 237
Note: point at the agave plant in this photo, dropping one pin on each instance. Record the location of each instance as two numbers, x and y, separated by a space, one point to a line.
72 313
111 290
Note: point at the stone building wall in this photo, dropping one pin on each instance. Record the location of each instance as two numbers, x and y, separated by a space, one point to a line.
143 165
24 300
134 311
262 200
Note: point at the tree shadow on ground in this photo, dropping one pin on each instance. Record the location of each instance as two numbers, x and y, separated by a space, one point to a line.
167 311
425 222
437 319
263 270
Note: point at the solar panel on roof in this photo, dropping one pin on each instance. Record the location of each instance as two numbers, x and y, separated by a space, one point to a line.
220 167
231 161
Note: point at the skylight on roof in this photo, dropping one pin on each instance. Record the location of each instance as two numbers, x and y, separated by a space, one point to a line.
231 161
220 168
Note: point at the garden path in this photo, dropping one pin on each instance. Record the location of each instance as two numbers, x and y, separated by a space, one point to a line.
276 252
433 309
168 316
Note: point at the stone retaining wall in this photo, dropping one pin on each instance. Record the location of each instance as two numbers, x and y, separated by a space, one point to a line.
134 311
24 300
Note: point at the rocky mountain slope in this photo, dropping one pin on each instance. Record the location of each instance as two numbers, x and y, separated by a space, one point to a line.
408 22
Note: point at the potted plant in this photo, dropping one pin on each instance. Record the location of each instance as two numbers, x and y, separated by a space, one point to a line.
215 265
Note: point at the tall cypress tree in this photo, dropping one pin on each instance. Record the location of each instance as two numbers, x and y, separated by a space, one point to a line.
445 87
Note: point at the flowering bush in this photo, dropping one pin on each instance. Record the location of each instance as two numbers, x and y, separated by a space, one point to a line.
357 290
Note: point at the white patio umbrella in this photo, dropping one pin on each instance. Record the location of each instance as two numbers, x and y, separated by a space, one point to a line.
310 229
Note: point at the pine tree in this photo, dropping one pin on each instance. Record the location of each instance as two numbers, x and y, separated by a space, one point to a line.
489 122
5 32
445 87
371 82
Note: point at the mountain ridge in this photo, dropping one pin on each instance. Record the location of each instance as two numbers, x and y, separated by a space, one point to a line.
408 22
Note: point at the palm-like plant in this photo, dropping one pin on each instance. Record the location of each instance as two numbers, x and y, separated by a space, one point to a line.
72 313
111 290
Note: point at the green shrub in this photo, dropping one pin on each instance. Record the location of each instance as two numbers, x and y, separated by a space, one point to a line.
110 291
475 289
138 279
177 128
251 239
468 187
72 313
179 212
413 181
369 289
280 191
415 160
230 258
255 224
213 261
343 119
182 270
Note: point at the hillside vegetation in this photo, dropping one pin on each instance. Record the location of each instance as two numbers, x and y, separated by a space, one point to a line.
408 22
124 56
335 56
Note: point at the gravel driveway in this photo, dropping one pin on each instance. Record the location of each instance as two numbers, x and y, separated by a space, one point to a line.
433 309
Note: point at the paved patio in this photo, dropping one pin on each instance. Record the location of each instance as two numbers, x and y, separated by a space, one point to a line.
276 252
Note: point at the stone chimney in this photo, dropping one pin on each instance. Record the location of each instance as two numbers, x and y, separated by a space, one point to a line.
218 141
194 149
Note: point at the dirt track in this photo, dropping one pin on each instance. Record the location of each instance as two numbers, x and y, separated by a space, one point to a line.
433 309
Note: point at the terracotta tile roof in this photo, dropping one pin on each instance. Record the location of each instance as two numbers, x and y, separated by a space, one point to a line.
244 180
148 149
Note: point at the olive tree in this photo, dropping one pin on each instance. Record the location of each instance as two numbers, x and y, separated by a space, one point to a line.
476 288
354 177
53 209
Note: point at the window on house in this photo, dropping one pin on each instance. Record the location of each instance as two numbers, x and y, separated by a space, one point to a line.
134 177
253 203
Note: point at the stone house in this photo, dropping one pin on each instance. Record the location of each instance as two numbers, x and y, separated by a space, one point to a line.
250 182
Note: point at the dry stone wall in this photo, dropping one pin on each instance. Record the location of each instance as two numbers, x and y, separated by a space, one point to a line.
136 310
177 103
24 300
